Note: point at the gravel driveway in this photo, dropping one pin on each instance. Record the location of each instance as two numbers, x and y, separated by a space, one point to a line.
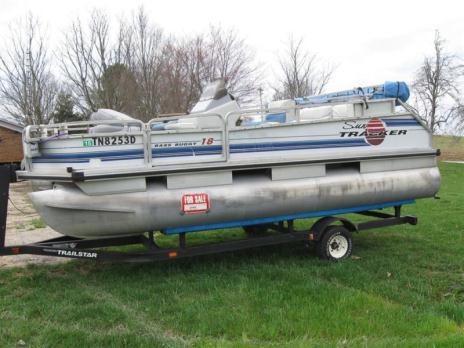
25 226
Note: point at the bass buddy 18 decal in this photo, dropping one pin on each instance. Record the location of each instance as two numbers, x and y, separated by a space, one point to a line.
374 131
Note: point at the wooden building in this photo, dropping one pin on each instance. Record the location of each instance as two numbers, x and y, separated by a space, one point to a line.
11 147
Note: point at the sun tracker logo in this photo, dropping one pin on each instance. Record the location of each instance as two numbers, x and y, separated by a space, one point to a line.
375 131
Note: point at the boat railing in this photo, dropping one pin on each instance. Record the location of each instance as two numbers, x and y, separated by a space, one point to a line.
413 111
204 130
79 129
183 116
261 112
335 100
225 125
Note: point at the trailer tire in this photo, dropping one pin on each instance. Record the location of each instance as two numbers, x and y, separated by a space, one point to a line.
336 244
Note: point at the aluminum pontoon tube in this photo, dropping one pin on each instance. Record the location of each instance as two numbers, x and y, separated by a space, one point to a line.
71 212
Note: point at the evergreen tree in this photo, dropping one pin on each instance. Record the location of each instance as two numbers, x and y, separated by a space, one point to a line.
65 109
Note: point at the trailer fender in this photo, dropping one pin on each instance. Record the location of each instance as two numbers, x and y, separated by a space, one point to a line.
318 228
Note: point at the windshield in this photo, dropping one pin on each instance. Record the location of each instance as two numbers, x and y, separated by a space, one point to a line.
215 90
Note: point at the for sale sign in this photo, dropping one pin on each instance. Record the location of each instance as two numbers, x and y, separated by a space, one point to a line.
195 203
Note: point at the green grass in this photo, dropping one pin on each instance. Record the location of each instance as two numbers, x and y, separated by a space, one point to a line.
404 288
38 223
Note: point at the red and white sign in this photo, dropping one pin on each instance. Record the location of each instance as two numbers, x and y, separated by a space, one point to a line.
195 203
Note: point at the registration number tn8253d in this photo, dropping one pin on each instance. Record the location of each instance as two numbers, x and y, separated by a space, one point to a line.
108 141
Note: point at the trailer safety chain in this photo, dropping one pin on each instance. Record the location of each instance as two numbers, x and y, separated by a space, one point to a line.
20 210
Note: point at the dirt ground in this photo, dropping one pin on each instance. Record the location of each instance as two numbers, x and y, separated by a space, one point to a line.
452 148
25 226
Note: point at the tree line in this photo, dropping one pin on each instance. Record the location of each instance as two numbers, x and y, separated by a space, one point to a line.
135 67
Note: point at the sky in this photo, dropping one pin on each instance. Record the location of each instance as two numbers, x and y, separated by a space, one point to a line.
368 41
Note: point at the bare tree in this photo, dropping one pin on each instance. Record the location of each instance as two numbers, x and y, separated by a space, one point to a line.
227 56
301 73
101 69
84 59
174 77
183 74
162 74
437 90
27 85
191 63
139 47
146 62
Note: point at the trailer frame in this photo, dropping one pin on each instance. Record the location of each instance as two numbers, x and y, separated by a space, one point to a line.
78 248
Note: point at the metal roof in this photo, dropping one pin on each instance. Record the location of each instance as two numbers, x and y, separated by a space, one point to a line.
10 123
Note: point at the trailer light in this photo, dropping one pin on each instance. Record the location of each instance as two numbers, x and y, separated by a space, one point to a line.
15 250
172 254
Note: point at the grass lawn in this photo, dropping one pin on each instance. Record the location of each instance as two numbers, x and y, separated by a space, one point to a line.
405 287
452 148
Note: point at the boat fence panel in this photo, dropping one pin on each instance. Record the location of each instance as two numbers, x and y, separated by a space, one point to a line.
80 145
189 139
243 137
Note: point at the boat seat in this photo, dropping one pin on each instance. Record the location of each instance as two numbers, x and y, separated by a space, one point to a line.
256 120
327 112
280 117
106 128
111 115
187 123
288 105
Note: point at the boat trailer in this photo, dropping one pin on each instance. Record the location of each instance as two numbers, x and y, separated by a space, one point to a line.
332 235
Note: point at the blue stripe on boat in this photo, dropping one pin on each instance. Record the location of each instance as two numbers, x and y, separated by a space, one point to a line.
187 149
296 145
198 150
307 143
94 154
84 160
259 147
62 160
400 122
239 223
398 119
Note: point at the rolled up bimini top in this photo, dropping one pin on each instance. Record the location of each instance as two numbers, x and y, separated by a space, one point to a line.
398 90
109 115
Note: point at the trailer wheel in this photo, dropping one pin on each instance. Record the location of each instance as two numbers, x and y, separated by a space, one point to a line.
336 244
